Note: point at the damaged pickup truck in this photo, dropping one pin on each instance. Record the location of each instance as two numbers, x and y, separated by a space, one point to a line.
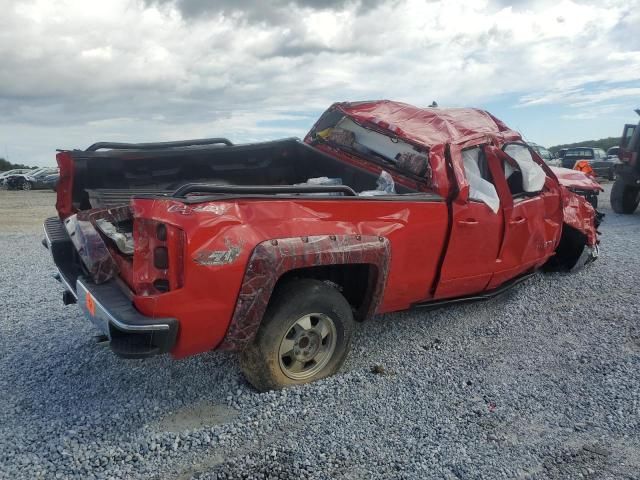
275 249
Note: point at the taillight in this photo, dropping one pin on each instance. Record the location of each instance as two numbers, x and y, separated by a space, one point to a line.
64 188
158 257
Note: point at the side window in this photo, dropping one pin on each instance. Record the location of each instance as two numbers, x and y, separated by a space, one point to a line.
526 175
477 172
626 135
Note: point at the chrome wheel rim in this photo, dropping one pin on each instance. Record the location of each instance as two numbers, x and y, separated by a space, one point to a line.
307 346
26 186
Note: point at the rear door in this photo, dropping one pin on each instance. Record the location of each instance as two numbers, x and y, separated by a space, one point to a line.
476 232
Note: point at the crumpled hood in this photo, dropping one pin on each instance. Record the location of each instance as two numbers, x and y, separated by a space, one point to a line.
573 179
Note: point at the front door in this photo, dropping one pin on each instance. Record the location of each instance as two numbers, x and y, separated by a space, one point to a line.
532 214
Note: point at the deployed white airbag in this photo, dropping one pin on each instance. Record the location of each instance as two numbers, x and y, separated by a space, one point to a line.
479 188
533 175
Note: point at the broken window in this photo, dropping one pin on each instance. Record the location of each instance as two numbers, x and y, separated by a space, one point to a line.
477 172
526 175
353 137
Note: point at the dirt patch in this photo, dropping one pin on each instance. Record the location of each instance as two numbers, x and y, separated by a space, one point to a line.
24 212
205 465
196 416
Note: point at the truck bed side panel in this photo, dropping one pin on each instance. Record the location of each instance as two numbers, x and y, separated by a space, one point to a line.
221 236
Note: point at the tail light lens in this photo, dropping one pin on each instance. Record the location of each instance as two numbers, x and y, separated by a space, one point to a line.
158 257
64 189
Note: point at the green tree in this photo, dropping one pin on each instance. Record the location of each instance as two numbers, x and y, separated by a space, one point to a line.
7 165
604 143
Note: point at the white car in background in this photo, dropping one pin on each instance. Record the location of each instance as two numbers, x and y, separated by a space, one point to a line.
9 173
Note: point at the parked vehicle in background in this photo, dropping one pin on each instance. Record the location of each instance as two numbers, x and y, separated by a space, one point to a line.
597 158
52 181
613 153
10 173
560 155
31 180
15 171
625 193
546 155
48 182
274 249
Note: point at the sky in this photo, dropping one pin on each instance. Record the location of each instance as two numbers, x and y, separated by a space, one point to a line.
73 72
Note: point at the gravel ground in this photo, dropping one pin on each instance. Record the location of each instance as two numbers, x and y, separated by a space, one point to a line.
541 383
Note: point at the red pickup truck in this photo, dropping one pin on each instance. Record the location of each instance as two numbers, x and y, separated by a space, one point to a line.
274 249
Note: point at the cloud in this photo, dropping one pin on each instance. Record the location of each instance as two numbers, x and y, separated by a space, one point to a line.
259 11
74 72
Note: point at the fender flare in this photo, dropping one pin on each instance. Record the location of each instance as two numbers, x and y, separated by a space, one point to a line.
272 258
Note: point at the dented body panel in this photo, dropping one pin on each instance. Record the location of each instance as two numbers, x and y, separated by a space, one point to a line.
212 293
210 259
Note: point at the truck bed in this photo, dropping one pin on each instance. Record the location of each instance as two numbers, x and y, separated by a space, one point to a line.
110 178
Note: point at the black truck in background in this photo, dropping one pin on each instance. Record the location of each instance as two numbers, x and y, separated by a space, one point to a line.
625 193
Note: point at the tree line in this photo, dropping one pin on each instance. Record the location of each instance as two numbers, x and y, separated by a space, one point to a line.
7 165
604 143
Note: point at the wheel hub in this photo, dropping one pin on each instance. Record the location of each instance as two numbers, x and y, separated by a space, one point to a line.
307 346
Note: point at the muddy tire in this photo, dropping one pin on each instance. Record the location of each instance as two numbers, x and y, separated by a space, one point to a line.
624 198
305 335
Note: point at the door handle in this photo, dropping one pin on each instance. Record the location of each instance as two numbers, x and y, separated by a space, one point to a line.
468 221
518 221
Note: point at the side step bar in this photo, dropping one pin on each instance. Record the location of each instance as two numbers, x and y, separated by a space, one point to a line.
433 304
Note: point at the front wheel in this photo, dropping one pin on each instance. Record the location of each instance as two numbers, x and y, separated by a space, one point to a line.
624 198
26 185
305 336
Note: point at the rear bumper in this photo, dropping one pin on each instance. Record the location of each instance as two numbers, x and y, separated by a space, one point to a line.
108 306
131 334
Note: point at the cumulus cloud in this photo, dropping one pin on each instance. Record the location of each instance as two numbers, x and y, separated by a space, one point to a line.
139 70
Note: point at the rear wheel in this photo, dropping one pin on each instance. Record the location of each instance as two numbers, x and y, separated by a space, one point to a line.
26 185
305 336
624 198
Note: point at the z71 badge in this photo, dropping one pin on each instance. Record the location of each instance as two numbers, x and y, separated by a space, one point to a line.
218 257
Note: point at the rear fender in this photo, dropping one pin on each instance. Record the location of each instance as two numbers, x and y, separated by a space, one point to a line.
273 258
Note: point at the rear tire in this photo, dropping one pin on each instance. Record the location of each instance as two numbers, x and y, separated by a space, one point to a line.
26 185
624 198
305 335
